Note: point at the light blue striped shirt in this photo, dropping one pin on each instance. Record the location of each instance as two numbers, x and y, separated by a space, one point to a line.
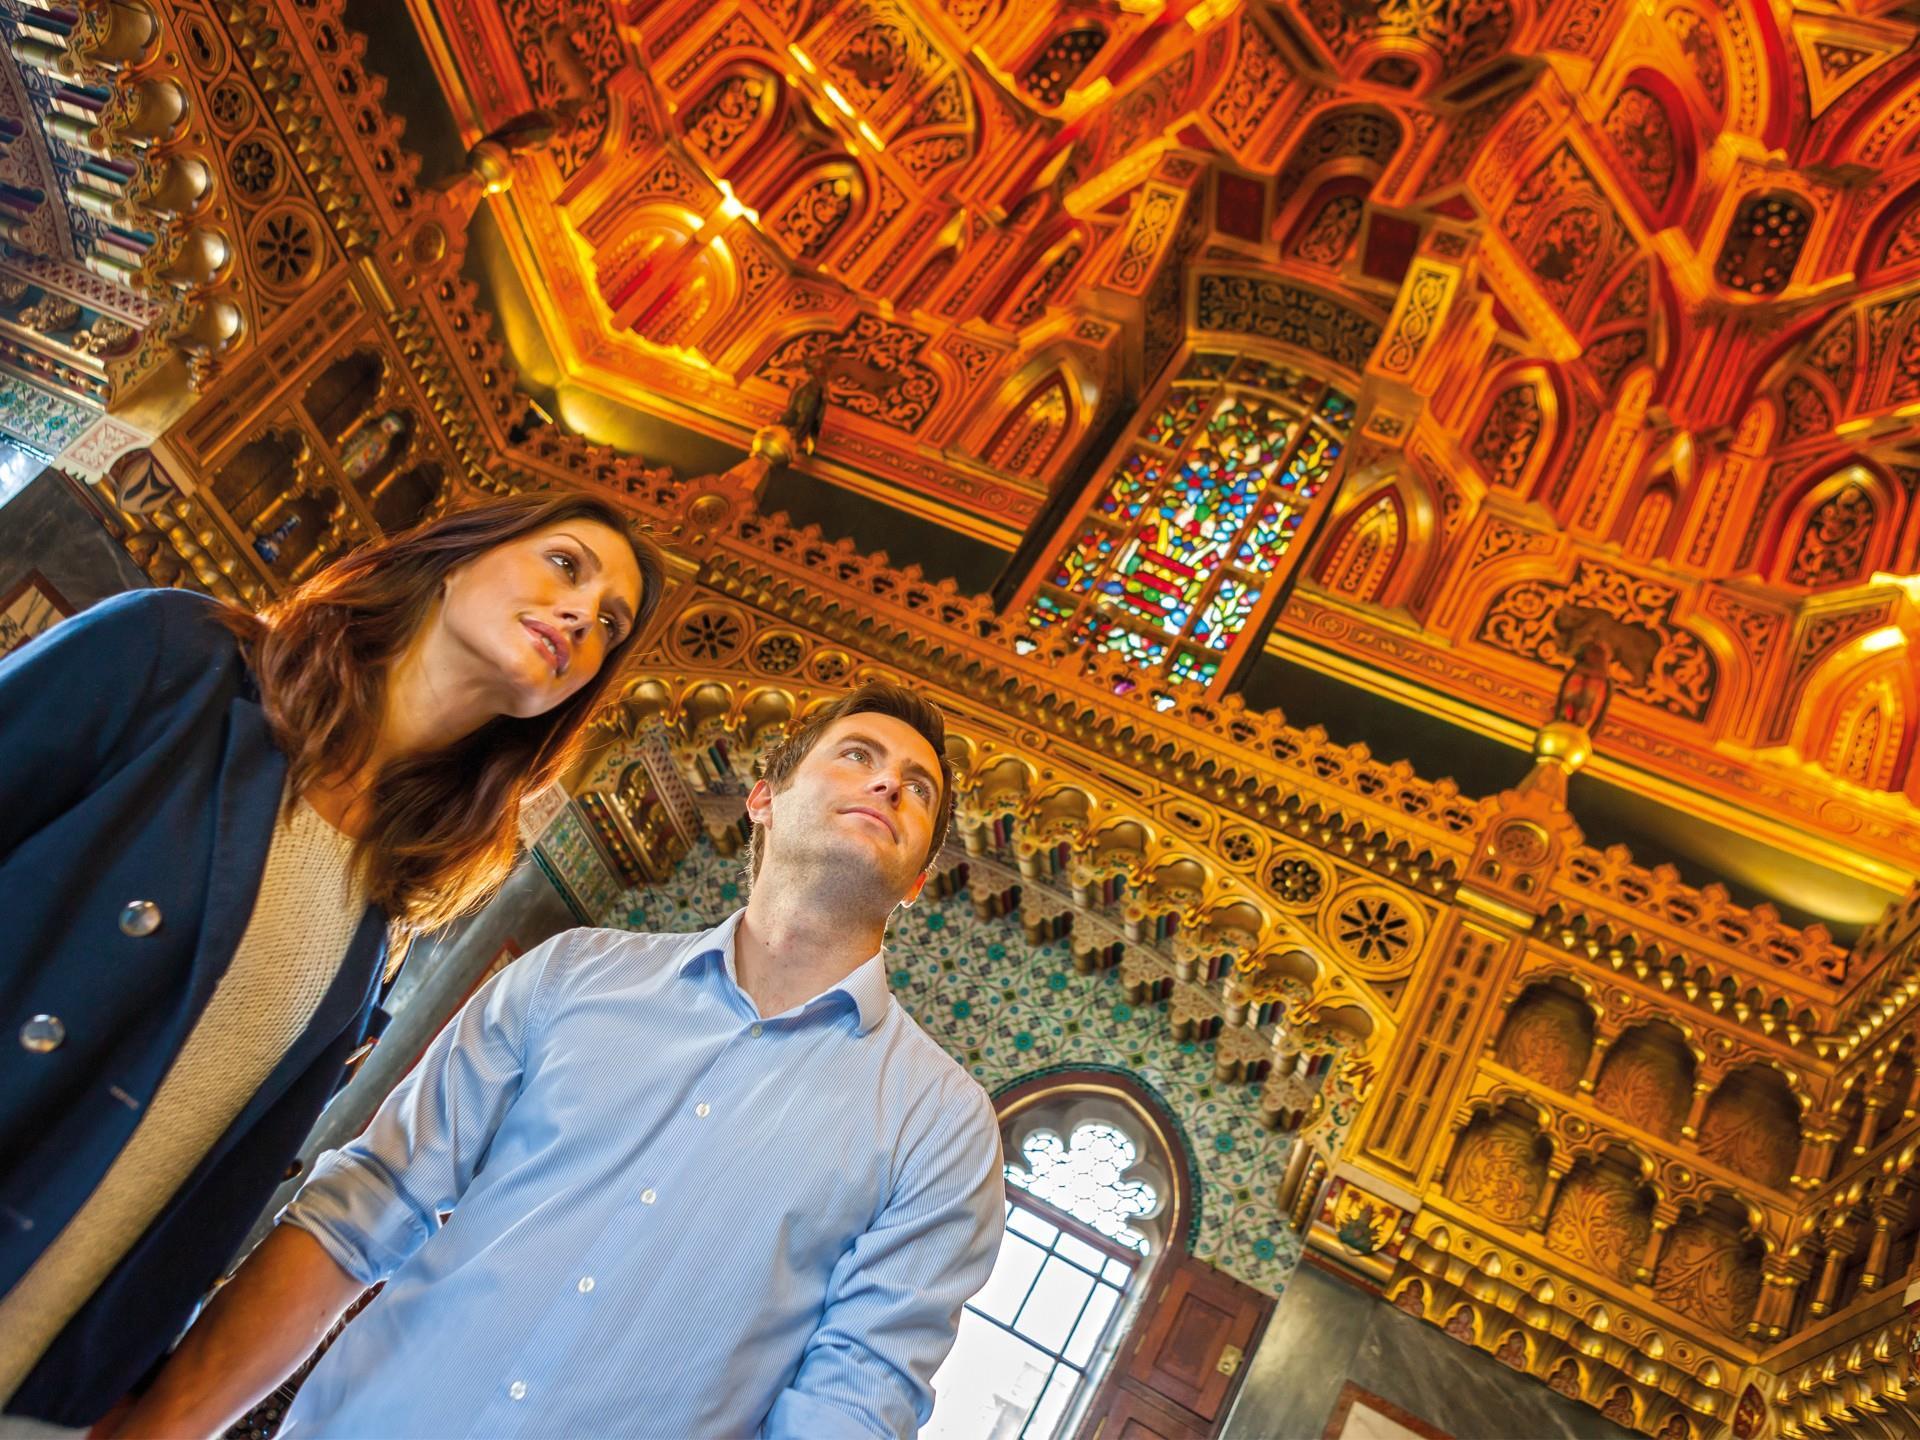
673 1218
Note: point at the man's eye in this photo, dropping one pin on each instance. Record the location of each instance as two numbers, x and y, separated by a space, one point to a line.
856 752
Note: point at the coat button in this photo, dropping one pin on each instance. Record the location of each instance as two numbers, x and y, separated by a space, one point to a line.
140 917
42 1033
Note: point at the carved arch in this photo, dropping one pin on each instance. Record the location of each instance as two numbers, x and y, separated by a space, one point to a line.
1752 1126
1835 526
1652 132
1517 427
1890 241
1647 1079
733 113
1346 140
1362 557
1858 712
1548 1035
818 208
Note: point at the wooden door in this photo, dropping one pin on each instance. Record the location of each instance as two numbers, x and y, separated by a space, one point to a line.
1173 1380
1132 1416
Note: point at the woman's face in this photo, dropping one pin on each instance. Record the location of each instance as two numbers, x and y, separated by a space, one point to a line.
538 614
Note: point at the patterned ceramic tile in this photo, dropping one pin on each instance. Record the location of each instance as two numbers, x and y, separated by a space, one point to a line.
1010 1011
571 856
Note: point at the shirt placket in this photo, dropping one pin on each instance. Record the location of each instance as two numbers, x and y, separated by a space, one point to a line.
659 1194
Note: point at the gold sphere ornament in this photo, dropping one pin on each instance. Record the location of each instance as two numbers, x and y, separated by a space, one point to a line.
491 163
774 444
1567 745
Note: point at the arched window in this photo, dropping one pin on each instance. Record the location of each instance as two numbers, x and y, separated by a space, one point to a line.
1089 1197
1189 543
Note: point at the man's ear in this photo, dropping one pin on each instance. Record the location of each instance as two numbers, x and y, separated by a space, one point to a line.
760 802
919 884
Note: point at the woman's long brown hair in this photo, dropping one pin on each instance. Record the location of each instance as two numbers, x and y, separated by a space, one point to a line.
444 827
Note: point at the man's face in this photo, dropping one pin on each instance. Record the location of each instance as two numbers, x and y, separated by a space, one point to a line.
862 802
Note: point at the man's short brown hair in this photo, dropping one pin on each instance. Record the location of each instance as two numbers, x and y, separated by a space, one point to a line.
876 697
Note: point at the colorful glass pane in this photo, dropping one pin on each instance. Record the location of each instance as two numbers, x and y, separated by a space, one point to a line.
1082 564
1247 434
1153 583
1269 537
1309 466
1337 410
1144 571
1194 668
1132 486
1100 633
1223 615
1047 612
1134 648
1175 417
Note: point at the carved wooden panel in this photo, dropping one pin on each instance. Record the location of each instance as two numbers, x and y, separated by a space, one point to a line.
1601 1219
1710 1274
1752 1127
1499 1169
1647 1081
1548 1037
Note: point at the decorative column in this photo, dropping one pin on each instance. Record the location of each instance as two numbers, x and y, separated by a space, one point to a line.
1779 1288
1840 1245
1875 1106
1702 1093
1815 1161
1879 1243
1557 1169
1664 1214
1595 1059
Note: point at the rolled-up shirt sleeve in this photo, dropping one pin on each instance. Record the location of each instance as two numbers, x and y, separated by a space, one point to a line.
894 1300
375 1201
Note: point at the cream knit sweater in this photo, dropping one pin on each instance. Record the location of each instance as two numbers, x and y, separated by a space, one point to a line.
303 920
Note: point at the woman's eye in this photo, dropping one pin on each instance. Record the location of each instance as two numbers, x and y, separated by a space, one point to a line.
565 560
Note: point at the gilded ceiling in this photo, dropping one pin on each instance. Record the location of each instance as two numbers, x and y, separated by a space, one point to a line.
1618 303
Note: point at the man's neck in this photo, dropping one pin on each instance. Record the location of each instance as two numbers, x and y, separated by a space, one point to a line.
787 950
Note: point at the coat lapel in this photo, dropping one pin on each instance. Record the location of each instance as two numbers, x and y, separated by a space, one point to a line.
247 794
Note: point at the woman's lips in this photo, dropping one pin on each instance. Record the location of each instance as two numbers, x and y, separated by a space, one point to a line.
552 644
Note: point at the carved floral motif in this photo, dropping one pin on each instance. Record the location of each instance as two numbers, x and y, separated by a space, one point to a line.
1498 1171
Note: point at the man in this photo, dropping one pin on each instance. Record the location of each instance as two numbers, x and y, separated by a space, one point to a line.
702 1185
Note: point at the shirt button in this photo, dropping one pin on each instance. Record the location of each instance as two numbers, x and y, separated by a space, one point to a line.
140 917
703 1109
42 1033
755 1032
646 1197
518 1390
586 1284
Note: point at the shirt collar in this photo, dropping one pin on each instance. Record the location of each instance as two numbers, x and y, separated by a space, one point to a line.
866 986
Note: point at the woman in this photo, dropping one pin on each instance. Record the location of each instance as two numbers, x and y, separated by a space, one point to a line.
208 822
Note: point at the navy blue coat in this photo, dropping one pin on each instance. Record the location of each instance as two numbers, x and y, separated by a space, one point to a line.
136 765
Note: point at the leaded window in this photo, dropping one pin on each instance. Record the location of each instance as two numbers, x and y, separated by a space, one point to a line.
1193 534
1036 1335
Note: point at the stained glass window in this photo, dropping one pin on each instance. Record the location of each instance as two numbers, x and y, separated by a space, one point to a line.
1196 524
